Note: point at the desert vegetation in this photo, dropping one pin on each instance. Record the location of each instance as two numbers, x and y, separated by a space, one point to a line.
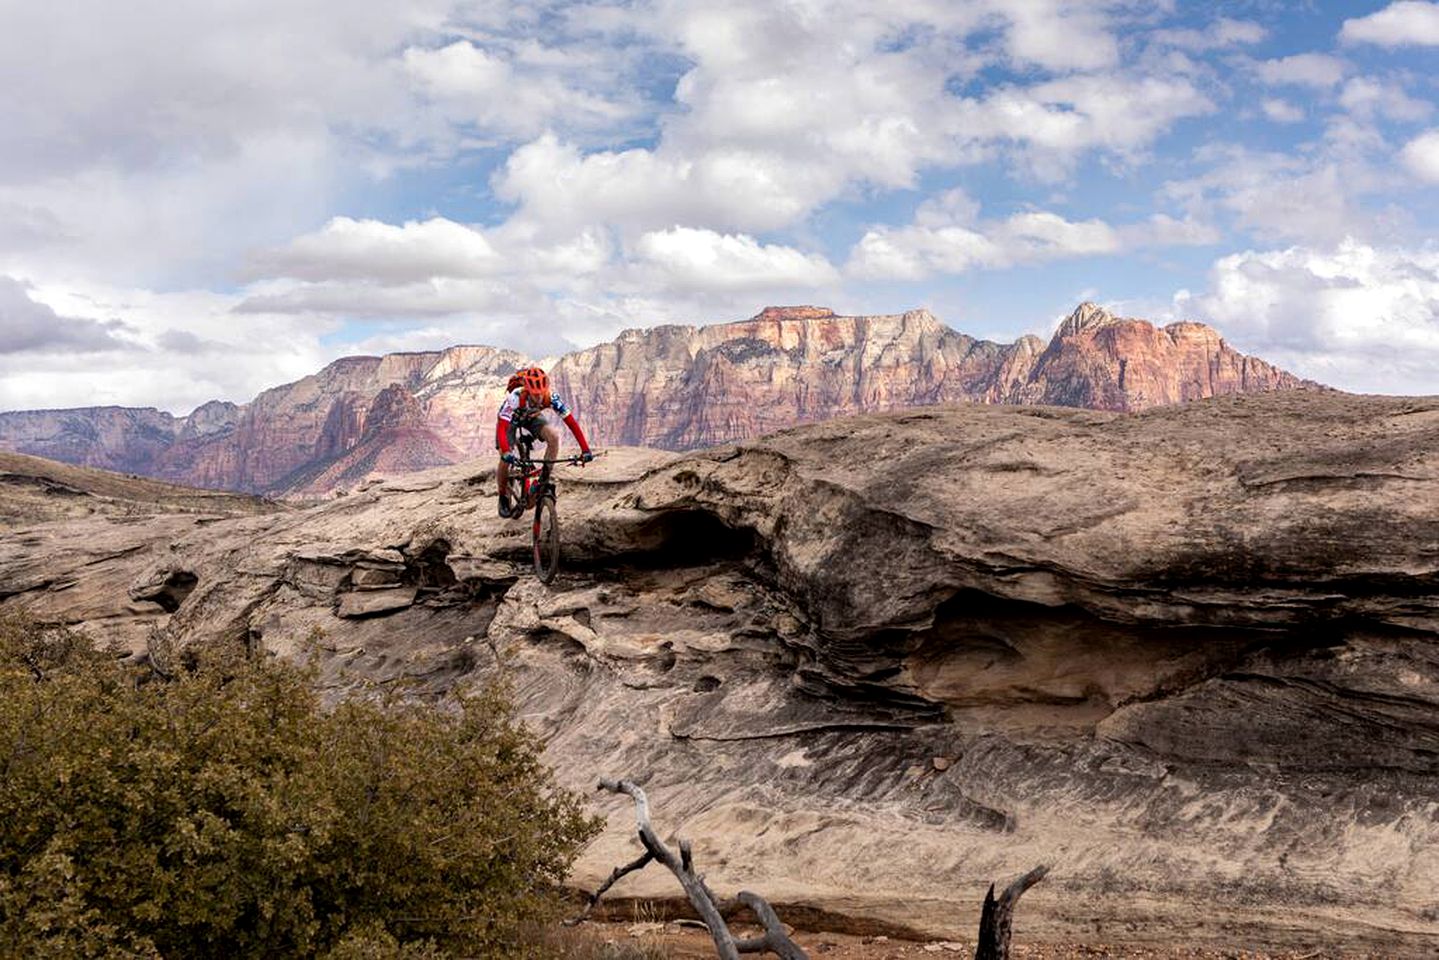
225 811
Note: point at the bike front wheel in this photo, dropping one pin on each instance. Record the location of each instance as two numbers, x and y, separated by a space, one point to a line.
516 489
546 532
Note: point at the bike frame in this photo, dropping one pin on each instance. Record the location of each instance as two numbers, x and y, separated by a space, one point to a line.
531 470
536 495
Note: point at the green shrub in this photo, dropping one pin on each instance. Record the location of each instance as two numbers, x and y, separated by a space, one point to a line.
225 813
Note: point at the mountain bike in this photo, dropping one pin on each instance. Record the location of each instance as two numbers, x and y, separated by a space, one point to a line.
530 487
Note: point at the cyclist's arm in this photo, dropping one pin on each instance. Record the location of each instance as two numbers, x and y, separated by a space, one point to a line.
574 426
502 421
559 407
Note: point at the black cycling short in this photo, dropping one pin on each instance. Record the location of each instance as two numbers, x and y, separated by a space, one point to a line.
528 430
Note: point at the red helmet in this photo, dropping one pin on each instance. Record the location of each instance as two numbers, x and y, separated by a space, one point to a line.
536 383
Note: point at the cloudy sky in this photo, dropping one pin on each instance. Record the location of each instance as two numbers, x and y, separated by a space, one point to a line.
202 199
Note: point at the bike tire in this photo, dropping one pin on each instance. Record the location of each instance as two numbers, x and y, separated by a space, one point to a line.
517 498
545 531
519 491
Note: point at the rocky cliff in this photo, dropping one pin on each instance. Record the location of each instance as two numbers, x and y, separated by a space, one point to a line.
673 387
684 387
1099 361
1188 657
394 438
126 439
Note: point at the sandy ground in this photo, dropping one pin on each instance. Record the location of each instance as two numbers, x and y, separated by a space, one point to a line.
652 940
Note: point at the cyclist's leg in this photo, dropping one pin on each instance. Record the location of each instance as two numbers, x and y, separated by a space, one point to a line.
517 435
551 437
502 475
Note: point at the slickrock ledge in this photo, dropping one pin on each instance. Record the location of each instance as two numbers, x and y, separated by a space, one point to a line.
1188 657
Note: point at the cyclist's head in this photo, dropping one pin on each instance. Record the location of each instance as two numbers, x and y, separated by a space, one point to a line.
537 386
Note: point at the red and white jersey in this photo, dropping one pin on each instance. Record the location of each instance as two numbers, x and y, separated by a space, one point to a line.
514 407
515 412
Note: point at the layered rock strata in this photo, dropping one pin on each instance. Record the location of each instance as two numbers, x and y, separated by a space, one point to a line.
125 439
393 438
1189 658
672 387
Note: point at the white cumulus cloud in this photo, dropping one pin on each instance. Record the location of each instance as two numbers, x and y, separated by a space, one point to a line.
948 237
559 188
1367 97
1057 121
30 326
1223 32
1421 156
1354 316
501 95
1408 22
370 249
692 259
1286 197
170 350
1059 35
1303 69
1281 111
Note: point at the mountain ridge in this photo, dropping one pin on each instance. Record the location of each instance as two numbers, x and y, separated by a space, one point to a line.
673 386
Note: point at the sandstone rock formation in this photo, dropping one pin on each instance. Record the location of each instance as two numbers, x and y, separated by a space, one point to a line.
672 387
127 439
1189 657
1099 361
683 387
393 438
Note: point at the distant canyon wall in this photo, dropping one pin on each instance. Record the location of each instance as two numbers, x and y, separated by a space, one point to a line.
672 387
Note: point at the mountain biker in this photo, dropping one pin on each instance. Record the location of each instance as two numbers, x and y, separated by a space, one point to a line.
528 396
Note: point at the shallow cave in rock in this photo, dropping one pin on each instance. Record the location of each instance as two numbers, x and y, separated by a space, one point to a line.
983 649
671 540
690 538
1031 664
178 585
429 569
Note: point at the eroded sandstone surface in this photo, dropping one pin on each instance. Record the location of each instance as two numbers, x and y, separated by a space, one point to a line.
1187 657
672 387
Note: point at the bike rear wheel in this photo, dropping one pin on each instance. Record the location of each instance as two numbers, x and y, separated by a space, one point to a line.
546 532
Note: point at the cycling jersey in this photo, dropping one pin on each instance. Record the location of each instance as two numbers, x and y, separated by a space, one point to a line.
513 406
514 412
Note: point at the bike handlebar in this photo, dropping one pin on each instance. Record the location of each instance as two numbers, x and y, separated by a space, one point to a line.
572 461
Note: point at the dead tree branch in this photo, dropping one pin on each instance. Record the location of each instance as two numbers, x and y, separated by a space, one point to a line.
693 885
706 904
615 875
775 940
997 916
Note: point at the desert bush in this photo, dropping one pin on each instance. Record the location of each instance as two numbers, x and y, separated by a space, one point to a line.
227 813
